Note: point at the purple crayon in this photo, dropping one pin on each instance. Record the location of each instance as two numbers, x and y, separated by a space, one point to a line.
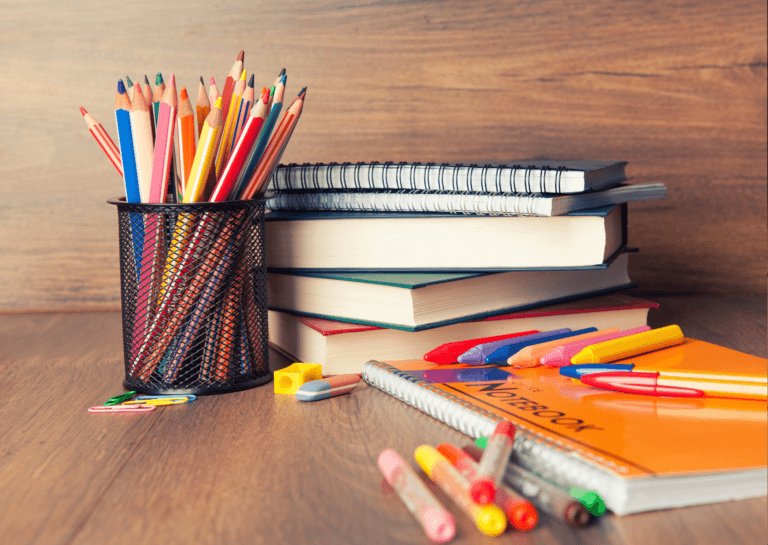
476 355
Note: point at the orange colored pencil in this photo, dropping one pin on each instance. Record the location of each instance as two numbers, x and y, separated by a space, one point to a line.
185 136
203 107
103 140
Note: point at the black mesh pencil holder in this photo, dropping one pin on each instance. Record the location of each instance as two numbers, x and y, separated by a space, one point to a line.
194 296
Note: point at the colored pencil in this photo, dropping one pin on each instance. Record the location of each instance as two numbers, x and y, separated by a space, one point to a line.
229 124
166 124
203 107
185 137
130 176
157 96
213 92
243 148
103 140
129 87
141 129
276 97
146 90
204 155
284 144
229 83
257 183
246 101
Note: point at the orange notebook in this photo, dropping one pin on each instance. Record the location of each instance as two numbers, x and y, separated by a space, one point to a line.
638 452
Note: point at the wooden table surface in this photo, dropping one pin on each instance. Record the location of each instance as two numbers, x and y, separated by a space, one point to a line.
676 89
255 467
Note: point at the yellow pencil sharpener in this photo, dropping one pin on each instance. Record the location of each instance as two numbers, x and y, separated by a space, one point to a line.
290 379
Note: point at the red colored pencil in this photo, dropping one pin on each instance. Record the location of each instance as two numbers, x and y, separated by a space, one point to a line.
103 140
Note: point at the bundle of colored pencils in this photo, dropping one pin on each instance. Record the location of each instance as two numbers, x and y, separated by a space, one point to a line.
194 285
239 141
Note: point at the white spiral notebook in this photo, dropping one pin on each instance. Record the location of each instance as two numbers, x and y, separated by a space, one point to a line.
483 204
639 453
520 177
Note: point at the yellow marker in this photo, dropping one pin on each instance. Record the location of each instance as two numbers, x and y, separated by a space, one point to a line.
489 519
626 347
204 154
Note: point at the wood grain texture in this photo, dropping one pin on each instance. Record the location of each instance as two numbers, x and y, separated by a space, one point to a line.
676 89
253 467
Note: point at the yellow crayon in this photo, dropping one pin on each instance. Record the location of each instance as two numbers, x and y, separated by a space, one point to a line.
626 347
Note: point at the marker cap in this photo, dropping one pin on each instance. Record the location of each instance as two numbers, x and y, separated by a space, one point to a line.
523 516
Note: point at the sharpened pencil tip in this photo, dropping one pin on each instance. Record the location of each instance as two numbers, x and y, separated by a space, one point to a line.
158 79
172 80
128 82
120 87
213 81
82 110
183 95
201 81
241 56
146 80
283 78
303 92
243 75
282 72
250 81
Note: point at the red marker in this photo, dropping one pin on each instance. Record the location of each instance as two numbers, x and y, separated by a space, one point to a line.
491 468
448 352
520 512
637 382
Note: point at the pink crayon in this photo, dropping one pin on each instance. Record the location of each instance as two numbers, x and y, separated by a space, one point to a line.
316 390
562 354
437 522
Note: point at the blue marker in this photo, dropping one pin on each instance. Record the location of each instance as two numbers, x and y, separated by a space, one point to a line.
575 371
501 355
476 355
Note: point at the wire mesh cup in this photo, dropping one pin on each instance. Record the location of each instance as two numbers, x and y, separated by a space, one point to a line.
194 297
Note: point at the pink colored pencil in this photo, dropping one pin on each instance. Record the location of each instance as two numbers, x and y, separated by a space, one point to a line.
166 122
561 355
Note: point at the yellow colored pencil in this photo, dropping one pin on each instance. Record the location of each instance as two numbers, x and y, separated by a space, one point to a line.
204 155
229 124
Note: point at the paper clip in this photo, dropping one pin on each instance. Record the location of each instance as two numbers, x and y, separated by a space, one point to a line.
136 409
120 398
189 397
156 402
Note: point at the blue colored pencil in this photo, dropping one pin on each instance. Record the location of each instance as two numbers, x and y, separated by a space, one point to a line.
261 145
130 174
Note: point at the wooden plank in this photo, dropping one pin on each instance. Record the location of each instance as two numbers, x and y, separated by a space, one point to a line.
678 90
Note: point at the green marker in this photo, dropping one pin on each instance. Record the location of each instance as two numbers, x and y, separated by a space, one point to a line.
589 499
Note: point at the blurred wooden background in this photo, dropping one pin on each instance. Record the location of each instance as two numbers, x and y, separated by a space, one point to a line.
676 89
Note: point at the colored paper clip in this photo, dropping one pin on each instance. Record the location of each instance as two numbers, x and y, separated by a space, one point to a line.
177 400
135 409
189 397
120 398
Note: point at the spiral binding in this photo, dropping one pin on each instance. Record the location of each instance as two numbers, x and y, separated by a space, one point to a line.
535 452
493 179
410 200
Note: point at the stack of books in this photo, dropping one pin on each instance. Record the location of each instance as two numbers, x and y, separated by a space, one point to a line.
388 261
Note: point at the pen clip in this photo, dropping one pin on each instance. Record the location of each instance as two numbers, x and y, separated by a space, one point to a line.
137 409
